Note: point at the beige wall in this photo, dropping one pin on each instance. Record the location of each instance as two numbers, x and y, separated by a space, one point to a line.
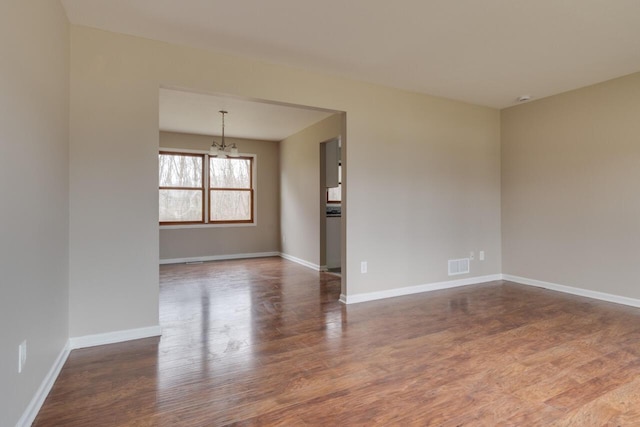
570 205
113 268
206 242
300 204
34 212
423 172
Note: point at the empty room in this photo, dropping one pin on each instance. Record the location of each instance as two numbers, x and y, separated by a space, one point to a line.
319 213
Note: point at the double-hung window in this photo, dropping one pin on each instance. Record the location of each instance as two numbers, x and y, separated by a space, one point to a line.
230 189
181 188
198 189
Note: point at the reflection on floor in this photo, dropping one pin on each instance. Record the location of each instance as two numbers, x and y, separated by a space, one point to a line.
265 342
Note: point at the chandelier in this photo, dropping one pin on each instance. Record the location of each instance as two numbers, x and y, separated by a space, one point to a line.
223 150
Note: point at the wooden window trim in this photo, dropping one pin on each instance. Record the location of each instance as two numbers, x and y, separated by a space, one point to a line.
251 191
201 188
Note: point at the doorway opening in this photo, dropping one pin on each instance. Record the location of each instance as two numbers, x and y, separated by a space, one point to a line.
283 140
331 205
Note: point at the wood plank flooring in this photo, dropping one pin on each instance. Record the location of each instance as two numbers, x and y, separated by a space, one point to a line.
265 342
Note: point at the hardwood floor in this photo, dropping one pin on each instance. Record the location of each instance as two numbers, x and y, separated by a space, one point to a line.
265 342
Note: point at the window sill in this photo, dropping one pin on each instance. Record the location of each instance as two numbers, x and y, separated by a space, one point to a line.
179 226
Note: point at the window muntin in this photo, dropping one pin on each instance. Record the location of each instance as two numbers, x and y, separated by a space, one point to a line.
230 190
181 197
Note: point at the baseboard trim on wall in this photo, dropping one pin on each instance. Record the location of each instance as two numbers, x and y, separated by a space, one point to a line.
30 414
633 302
38 399
218 257
114 337
390 293
300 261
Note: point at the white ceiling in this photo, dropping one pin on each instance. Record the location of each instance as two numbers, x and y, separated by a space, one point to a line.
191 112
486 52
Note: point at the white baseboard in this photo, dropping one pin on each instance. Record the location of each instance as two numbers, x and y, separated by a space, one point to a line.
38 399
114 337
218 257
574 291
390 293
371 296
312 266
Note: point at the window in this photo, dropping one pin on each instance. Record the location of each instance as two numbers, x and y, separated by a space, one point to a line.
230 189
334 195
181 188
228 182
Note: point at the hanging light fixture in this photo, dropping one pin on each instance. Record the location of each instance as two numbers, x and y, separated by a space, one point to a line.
223 150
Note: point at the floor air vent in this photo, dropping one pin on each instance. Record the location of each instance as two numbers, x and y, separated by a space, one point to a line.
458 266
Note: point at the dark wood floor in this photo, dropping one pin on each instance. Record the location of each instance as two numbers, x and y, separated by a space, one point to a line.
265 342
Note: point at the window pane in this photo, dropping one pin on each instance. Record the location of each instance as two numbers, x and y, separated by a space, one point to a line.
229 173
230 205
178 170
335 194
180 205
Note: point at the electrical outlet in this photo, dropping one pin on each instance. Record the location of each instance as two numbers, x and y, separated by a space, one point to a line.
472 255
22 355
363 267
481 255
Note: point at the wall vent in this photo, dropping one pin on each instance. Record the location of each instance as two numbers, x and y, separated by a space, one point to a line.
458 266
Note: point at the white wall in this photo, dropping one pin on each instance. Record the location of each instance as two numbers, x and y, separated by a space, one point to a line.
230 240
570 204
434 162
34 189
